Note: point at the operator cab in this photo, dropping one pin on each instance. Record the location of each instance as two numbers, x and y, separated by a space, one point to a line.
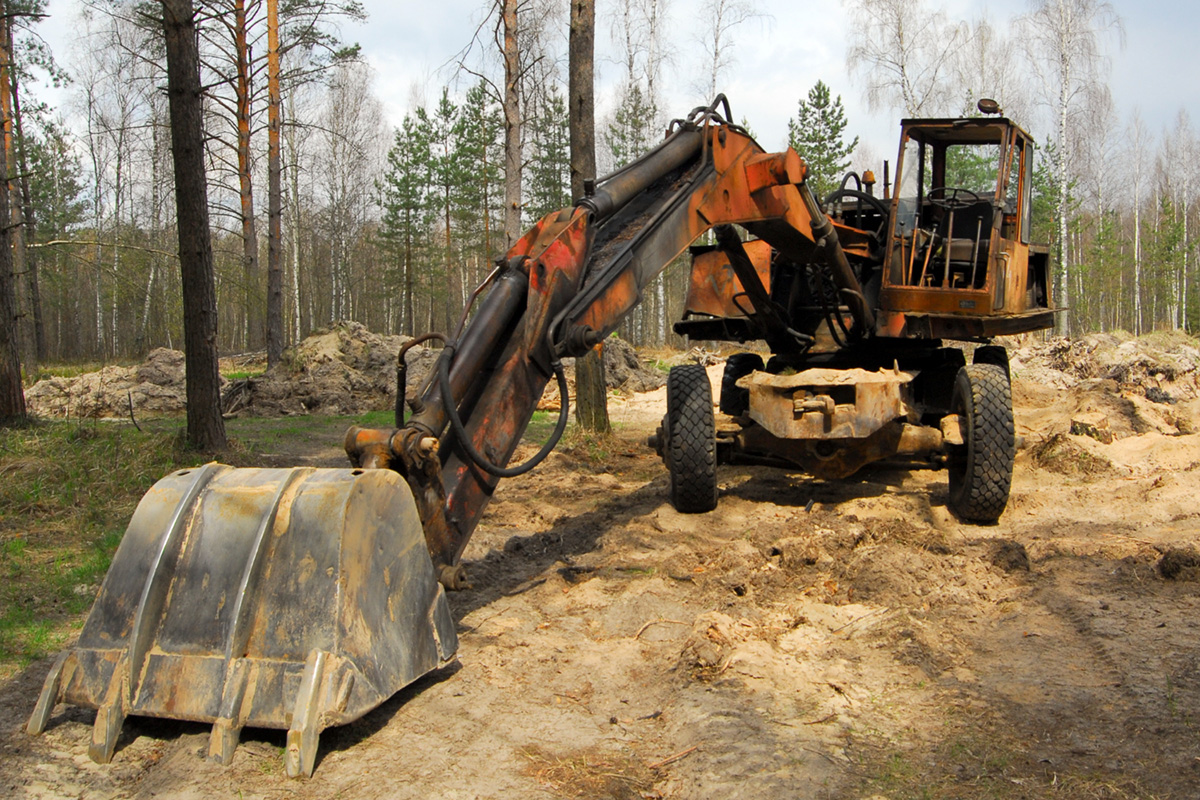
958 260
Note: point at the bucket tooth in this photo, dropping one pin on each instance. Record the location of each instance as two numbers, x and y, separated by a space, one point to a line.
305 730
110 718
227 729
232 587
51 691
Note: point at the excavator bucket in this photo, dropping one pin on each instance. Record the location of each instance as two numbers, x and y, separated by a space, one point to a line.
275 598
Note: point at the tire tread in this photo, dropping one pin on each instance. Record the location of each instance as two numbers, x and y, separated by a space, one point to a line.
691 440
980 490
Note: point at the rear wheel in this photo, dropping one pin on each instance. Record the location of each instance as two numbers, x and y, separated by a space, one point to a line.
691 446
735 400
981 468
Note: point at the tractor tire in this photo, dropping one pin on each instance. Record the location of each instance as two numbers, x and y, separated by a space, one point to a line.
981 468
691 440
993 354
735 401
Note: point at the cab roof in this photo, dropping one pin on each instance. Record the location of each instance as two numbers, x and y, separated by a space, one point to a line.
959 130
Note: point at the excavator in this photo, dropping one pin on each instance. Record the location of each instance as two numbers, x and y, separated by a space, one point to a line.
302 598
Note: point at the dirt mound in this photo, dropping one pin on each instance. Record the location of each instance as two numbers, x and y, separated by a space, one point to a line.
1108 386
343 370
1163 367
155 386
624 370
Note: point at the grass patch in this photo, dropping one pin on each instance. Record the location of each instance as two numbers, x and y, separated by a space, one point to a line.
244 374
274 434
540 427
67 491
378 419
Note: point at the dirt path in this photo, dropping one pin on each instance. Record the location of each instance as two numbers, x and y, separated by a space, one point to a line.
806 639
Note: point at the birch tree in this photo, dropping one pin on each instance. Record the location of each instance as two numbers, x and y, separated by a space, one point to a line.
1065 44
1176 157
720 18
904 53
988 65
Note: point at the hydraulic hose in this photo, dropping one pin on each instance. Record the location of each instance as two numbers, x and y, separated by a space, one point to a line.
460 431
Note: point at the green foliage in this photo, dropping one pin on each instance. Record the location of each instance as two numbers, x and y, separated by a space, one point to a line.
404 187
973 167
308 32
476 160
745 123
817 133
1167 252
1046 196
549 170
633 131
404 195
441 196
56 180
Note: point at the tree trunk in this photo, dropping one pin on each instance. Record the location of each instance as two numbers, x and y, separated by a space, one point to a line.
512 127
252 332
591 393
410 320
22 295
581 88
12 394
298 325
205 428
27 211
274 194
1137 260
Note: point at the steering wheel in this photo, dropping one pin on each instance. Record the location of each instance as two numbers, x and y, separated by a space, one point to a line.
952 198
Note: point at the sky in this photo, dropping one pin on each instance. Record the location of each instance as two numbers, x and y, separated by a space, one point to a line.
413 45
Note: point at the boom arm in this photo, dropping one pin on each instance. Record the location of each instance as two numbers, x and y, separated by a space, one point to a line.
568 283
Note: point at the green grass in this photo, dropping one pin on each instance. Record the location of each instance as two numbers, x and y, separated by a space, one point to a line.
378 419
540 427
241 375
661 366
67 491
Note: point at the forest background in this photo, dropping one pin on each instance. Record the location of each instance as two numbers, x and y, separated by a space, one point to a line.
391 216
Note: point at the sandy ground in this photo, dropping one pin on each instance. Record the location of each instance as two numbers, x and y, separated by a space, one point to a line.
807 639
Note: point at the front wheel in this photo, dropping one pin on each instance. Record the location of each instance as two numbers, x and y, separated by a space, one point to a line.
981 468
735 400
691 434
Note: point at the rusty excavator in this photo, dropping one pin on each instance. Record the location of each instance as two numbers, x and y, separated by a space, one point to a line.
302 598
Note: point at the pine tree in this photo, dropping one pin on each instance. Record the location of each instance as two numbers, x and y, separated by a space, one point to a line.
446 174
632 132
477 197
1166 251
549 172
817 134
405 223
